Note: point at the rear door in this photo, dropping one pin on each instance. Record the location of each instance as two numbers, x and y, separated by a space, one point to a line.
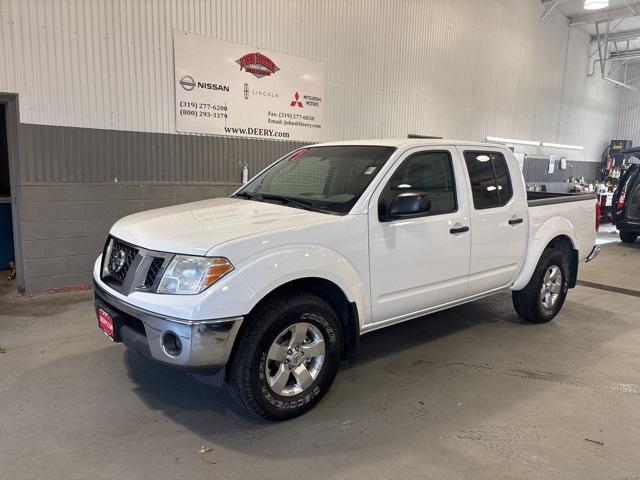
619 195
422 262
499 218
632 197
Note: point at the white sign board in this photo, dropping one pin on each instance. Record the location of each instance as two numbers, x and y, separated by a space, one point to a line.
224 88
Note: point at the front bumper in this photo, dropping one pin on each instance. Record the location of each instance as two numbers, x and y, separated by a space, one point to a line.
205 344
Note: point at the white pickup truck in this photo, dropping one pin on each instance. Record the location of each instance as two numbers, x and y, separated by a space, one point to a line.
273 287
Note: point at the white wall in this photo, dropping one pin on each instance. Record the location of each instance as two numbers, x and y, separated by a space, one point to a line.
629 126
457 68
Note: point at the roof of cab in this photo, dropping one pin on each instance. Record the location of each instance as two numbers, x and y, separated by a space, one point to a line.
409 142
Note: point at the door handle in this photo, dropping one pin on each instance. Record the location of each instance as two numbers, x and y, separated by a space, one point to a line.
453 231
515 221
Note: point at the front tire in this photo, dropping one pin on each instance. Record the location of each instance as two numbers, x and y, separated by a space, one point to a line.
543 297
628 237
287 358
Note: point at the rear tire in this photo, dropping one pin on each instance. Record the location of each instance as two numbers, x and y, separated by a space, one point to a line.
628 237
287 358
543 297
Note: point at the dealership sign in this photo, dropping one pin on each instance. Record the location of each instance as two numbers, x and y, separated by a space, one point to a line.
224 88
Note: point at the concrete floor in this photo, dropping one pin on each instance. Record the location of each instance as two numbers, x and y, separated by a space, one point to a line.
467 393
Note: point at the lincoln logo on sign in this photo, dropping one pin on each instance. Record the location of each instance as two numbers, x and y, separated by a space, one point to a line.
296 101
257 64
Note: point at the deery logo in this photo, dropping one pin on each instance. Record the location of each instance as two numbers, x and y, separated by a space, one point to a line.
296 102
257 64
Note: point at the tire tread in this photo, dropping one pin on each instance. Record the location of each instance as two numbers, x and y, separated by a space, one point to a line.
240 371
628 237
525 301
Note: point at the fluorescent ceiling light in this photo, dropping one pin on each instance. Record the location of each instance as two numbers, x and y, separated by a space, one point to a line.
511 140
595 4
560 145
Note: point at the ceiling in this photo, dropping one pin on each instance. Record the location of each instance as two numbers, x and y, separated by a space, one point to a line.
620 12
574 8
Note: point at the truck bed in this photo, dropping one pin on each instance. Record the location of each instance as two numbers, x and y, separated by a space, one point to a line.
572 212
536 199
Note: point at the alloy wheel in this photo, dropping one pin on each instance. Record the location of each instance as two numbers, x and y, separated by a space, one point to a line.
551 287
295 359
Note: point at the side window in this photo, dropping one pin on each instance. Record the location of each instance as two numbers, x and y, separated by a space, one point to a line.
503 180
490 181
429 172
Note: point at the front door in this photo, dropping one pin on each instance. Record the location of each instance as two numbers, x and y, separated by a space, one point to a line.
421 262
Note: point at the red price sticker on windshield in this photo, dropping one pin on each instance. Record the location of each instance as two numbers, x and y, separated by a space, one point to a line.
298 154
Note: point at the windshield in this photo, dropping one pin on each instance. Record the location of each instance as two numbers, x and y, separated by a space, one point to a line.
329 179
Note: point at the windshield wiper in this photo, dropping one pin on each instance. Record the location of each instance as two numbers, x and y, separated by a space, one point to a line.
250 196
293 202
288 200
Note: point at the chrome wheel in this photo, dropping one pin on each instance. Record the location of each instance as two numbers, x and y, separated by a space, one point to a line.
295 359
551 287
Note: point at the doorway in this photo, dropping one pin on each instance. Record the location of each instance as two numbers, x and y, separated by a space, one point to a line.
7 252
11 261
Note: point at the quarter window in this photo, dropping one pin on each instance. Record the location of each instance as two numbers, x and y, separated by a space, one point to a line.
490 181
429 172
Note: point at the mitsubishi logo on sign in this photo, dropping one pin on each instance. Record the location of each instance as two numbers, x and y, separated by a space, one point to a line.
296 101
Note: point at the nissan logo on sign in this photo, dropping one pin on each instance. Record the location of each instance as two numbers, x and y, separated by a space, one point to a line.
188 83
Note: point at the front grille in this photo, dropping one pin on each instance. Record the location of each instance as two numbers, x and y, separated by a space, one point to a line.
152 273
121 257
127 268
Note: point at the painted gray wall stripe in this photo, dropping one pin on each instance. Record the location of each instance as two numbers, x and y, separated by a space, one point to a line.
54 154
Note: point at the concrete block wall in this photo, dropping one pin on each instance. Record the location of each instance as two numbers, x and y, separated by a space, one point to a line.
76 182
64 226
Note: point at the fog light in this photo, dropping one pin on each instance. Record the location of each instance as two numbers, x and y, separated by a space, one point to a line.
171 344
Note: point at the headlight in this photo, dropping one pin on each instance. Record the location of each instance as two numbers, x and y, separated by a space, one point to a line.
106 258
191 275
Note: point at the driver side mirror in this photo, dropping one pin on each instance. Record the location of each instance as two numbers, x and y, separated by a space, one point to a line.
409 204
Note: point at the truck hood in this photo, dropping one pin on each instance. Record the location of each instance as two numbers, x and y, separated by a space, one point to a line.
194 228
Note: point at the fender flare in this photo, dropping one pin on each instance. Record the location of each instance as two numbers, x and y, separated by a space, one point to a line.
275 268
552 228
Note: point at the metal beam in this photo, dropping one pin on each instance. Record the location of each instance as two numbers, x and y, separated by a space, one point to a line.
620 36
622 84
548 9
603 16
635 53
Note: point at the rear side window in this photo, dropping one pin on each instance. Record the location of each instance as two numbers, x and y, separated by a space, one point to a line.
429 172
490 181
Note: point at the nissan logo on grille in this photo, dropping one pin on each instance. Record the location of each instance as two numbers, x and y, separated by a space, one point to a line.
188 83
118 260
